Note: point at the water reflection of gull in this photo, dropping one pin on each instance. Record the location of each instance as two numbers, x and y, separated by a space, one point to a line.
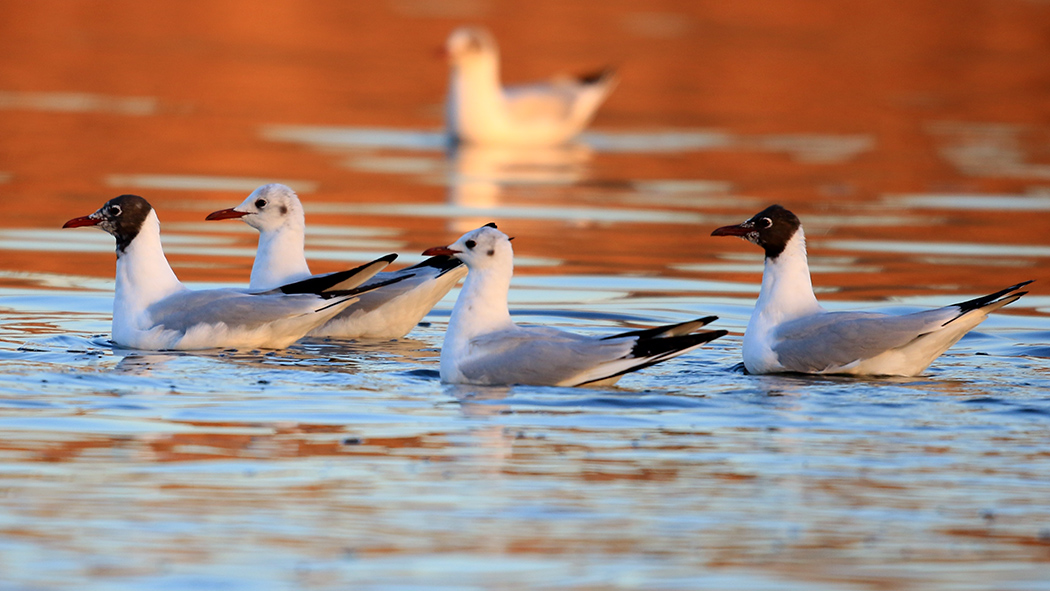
478 174
479 401
140 364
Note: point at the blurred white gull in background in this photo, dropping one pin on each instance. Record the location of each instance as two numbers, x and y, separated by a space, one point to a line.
482 111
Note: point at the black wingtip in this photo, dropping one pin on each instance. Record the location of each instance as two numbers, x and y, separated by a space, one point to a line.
362 288
319 283
659 347
442 262
647 333
982 301
491 225
596 76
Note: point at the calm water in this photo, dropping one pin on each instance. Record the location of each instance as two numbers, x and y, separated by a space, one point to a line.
345 465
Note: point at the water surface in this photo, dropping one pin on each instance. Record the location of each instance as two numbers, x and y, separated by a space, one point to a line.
336 464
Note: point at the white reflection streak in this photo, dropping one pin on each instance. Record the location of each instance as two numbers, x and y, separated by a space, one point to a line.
478 175
201 183
978 202
78 102
988 150
938 248
808 148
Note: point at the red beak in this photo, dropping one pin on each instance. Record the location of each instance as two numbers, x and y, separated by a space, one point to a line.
439 250
83 221
737 230
226 214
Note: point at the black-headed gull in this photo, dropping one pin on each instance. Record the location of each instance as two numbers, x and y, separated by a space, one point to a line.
790 332
388 312
153 310
481 111
483 346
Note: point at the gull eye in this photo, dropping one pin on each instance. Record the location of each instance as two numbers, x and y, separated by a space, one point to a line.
260 203
470 244
765 223
114 211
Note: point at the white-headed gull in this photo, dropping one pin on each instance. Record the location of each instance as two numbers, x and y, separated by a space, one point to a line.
481 111
388 312
153 310
483 346
790 332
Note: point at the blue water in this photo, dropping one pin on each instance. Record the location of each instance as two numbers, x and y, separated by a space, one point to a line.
348 465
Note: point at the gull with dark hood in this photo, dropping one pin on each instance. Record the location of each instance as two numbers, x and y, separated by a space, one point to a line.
789 331
153 310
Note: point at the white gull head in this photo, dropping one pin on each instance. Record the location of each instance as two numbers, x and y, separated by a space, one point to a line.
276 212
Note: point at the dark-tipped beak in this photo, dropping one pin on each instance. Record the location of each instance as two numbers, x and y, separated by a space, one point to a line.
737 230
82 221
439 250
226 214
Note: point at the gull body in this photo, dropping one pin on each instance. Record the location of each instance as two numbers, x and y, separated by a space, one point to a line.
789 331
480 110
388 312
153 310
483 346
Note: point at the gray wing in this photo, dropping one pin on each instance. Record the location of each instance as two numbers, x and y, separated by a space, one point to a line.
236 309
835 339
538 355
411 278
541 101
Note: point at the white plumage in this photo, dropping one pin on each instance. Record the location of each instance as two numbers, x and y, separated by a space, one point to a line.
388 312
480 110
790 332
483 346
153 310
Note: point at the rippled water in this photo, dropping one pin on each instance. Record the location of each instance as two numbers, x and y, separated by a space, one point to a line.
335 465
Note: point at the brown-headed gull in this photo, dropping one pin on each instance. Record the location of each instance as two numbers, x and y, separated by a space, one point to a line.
790 332
389 312
482 111
483 346
153 310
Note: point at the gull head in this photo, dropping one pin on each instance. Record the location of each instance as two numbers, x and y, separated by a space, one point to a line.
121 216
269 207
772 229
483 248
467 44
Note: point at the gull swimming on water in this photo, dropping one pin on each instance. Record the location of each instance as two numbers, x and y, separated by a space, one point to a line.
153 310
483 346
790 332
389 312
482 111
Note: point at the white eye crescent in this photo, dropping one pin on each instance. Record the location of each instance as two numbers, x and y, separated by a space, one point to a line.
114 211
765 223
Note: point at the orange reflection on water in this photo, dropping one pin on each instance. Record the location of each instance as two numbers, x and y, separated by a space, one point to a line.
875 121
